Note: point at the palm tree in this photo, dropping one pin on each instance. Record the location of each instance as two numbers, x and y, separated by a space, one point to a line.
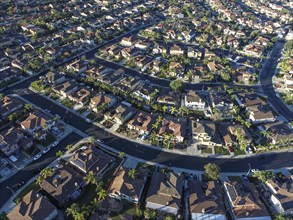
39 180
59 153
73 210
102 194
165 108
91 140
28 107
132 173
168 217
280 217
121 154
46 172
173 110
91 178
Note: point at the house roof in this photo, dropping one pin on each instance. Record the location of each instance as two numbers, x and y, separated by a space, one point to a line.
62 183
249 99
90 159
245 200
8 103
261 111
192 96
165 189
35 120
279 131
206 197
126 185
101 98
10 136
142 121
284 191
173 126
33 206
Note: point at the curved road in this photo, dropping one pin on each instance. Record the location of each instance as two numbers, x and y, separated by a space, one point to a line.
266 77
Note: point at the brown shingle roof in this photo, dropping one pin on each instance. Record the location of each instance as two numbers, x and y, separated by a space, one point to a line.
33 206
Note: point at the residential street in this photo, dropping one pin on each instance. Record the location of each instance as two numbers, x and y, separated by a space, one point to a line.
266 77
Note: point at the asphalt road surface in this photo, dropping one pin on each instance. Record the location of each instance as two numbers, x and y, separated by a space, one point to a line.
274 160
266 76
34 167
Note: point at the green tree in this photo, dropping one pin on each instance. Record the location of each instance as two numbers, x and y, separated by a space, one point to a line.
73 210
91 140
212 171
47 172
102 194
121 154
177 85
132 173
69 146
91 178
168 217
263 175
138 212
59 153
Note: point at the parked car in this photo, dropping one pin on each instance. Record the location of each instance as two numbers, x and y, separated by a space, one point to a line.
88 120
46 149
99 141
55 143
37 156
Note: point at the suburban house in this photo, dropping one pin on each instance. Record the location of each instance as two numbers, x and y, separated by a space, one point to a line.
260 114
249 99
194 101
244 201
120 114
168 97
206 200
91 159
278 132
102 101
78 66
281 188
54 78
142 122
205 132
36 121
127 188
63 184
9 140
9 105
174 127
145 91
165 192
65 88
80 96
176 50
33 206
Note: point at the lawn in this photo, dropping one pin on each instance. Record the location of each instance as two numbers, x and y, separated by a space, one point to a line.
91 116
235 178
206 150
128 208
49 139
221 150
26 190
81 110
68 103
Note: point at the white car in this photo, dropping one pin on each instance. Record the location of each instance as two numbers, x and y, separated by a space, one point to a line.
254 170
88 120
37 156
99 141
55 143
46 150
